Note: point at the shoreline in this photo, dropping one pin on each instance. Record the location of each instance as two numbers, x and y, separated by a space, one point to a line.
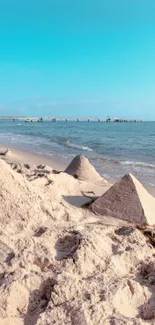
24 156
55 162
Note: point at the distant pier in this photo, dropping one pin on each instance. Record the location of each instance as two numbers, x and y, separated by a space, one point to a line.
116 120
67 119
78 119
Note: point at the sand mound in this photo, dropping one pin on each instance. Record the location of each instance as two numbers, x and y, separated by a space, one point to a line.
81 168
21 203
127 200
58 267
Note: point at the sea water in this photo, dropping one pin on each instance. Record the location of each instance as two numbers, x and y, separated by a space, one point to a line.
113 148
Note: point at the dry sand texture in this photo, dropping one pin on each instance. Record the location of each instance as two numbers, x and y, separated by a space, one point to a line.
61 264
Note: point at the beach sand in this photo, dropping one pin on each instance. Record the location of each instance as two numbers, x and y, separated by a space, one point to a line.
20 156
59 262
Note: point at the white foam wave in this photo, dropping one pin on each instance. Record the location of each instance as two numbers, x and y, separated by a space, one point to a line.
137 163
151 184
78 146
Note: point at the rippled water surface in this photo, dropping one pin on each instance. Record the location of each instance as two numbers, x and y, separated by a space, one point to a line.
113 148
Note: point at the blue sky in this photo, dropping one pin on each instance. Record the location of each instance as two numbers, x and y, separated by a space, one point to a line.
78 58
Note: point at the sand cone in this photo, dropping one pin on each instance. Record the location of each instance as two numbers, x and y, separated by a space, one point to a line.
81 168
127 200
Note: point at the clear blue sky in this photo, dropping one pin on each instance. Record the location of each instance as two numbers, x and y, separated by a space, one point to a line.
77 58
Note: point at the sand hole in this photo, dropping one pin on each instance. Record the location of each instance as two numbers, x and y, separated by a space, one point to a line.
124 231
39 298
146 269
42 262
67 246
40 231
6 253
9 258
38 301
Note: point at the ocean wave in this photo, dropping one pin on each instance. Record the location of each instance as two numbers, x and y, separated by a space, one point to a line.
124 162
66 143
107 160
137 164
77 146
151 184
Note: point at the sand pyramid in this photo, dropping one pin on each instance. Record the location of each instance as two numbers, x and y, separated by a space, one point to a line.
81 168
127 200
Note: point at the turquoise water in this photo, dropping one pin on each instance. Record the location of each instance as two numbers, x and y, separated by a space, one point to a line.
113 148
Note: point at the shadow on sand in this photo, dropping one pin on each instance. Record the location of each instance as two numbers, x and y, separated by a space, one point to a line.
38 302
76 200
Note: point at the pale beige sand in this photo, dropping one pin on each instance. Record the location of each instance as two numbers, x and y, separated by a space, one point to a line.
20 156
61 264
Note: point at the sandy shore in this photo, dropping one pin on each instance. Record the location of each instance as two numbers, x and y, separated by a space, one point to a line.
20 156
59 262
57 163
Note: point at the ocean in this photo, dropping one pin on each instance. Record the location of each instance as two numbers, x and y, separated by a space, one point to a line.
113 148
